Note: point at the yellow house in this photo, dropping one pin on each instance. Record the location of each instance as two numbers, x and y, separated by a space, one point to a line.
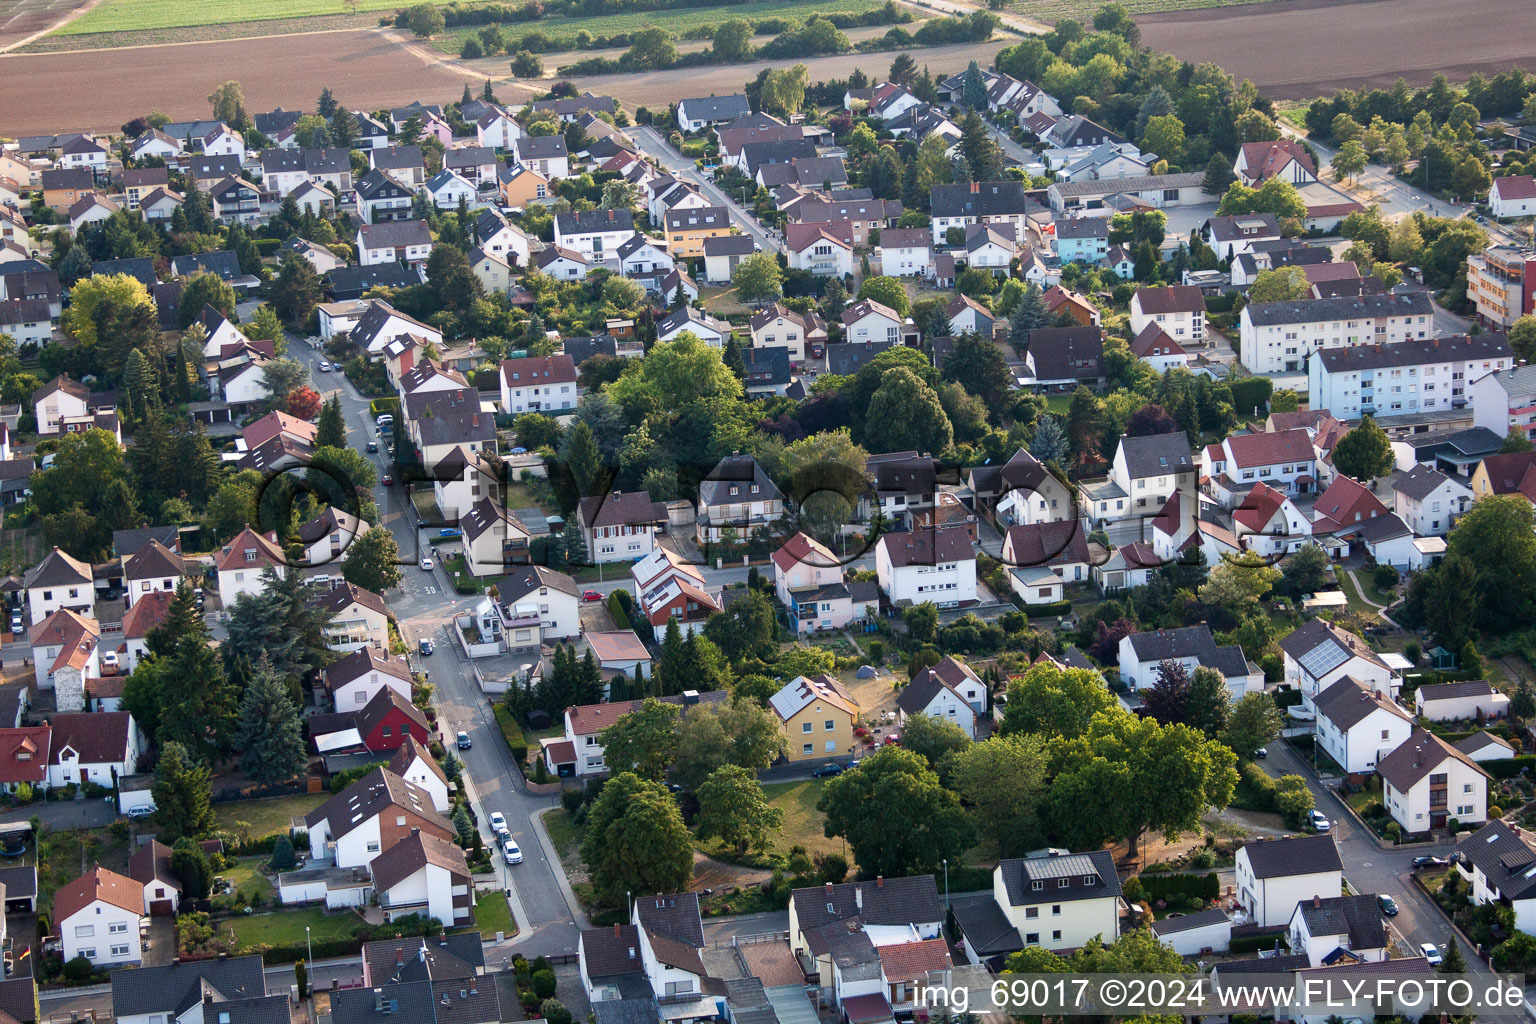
687 229
522 185
1506 473
817 716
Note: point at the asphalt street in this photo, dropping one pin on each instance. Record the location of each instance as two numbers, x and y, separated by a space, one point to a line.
651 141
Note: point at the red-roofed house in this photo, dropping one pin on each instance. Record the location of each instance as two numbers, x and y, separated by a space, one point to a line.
1286 159
147 613
1284 459
1154 347
1504 473
825 249
98 916
94 747
584 725
1514 196
1269 523
809 579
1344 506
905 966
24 756
243 561
1178 309
538 384
65 653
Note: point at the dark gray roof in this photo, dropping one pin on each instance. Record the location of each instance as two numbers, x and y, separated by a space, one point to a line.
981 199
1157 454
716 108
848 357
697 217
1345 307
864 591
986 928
1083 227
728 245
624 1011
1347 703
204 167
274 121
417 959
1419 482
1294 855
676 916
139 267
757 154
1506 854
1189 642
586 221
68 177
375 184
1341 645
352 282
1472 441
528 578
18 996
1062 353
165 989
449 417
1382 528
1452 691
1060 878
541 147
610 952
1415 351
580 349
278 160
911 899
739 471
767 367
410 1001
223 264
1189 922
469 156
374 319
396 158
1357 917
19 882
395 233
1226 229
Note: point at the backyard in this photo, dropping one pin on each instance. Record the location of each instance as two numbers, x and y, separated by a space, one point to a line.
802 821
287 927
266 816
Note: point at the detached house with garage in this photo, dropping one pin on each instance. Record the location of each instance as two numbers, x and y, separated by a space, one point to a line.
1319 654
1192 647
1273 875
585 723
426 875
1426 782
369 816
951 691
536 596
1429 501
99 916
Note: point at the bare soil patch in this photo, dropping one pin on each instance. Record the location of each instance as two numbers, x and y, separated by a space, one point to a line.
365 68
200 33
1348 44
22 18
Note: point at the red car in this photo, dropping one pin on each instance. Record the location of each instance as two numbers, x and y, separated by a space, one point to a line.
591 595
387 480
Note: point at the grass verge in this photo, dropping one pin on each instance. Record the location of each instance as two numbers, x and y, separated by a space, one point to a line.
493 914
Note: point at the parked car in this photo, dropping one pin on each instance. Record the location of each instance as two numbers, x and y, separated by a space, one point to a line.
323 366
1260 754
18 626
826 771
499 822
1429 862
426 562
591 595
141 811
109 663
511 851
1318 820
1387 904
450 531
463 741
424 647
1429 951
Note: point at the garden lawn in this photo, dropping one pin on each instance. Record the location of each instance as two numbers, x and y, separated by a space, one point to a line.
802 821
247 878
1357 603
286 927
1058 405
269 815
492 914
677 21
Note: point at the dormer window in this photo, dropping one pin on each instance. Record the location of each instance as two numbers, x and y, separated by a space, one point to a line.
1062 883
1036 886
1090 879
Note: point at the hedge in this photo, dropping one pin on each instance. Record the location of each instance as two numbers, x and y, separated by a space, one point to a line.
1040 611
1182 886
268 246
379 406
1509 767
1257 941
517 743
620 618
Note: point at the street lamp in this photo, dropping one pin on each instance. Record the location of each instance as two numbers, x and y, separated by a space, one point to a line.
946 883
309 948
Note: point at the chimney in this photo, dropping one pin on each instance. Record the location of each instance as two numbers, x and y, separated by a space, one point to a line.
829 890
1317 901
975 187
378 1000
615 929
879 881
858 897
399 957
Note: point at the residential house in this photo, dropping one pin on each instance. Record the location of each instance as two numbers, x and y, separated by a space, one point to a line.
357 678
493 538
736 499
147 613
424 875
671 938
1268 523
535 596
501 239
422 979
1467 699
26 321
358 618
1230 236
672 594
1323 926
242 564
401 241
1407 377
1277 337
936 566
1285 159
1429 501
150 569
1192 647
522 187
584 724
1058 547
231 990
1145 472
1022 490
1153 191
404 164
1346 510
414 763
1505 401
538 384
809 580
824 249
967 315
461 478
780 326
59 581
447 190
562 264
1513 196
1426 782
595 234
1154 347
235 200
686 229
150 866
620 527
138 182
1052 900
620 651
950 691
1357 726
438 421
1483 746
98 916
1179 310
906 252
1062 358
544 155
697 114
609 964
980 202
321 259
93 747
1503 473
816 715
498 130
1499 860
382 323
24 757
1283 459
65 186
381 198
1060 300
641 257
887 911
1273 875
868 320
154 143
1318 654
722 253
370 816
1082 239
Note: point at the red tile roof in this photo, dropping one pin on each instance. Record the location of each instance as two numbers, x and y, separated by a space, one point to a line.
1266 159
798 549
1516 186
1345 503
538 370
147 613
1252 450
24 754
1259 507
96 737
97 884
233 556
1506 471
1175 298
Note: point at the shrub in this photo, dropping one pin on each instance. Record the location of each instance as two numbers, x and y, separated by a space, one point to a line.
572 799
1180 887
1495 811
544 984
79 969
1384 576
282 855
1039 611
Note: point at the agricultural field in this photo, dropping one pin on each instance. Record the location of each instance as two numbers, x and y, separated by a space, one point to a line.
1050 11
144 15
677 22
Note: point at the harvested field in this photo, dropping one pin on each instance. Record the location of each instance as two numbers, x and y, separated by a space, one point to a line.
366 68
58 41
1052 11
137 15
656 88
22 18
1354 44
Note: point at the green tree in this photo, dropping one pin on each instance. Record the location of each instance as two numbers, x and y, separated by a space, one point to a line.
973 92
1210 702
1495 539
190 865
981 368
732 808
1516 441
1283 284
746 630
373 560
651 49
183 801
1239 582
119 291
204 289
1255 721
1522 338
1349 161
228 103
425 20
331 430
905 413
896 817
784 90
642 742
758 278
271 737
1164 136
922 621
888 291
1218 175
296 290
934 739
1365 452
1002 782
283 857
1050 444
581 456
1048 701
741 733
1306 571
1163 778
635 840
732 41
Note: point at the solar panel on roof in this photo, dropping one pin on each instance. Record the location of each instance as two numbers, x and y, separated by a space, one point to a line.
1323 659
1060 867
